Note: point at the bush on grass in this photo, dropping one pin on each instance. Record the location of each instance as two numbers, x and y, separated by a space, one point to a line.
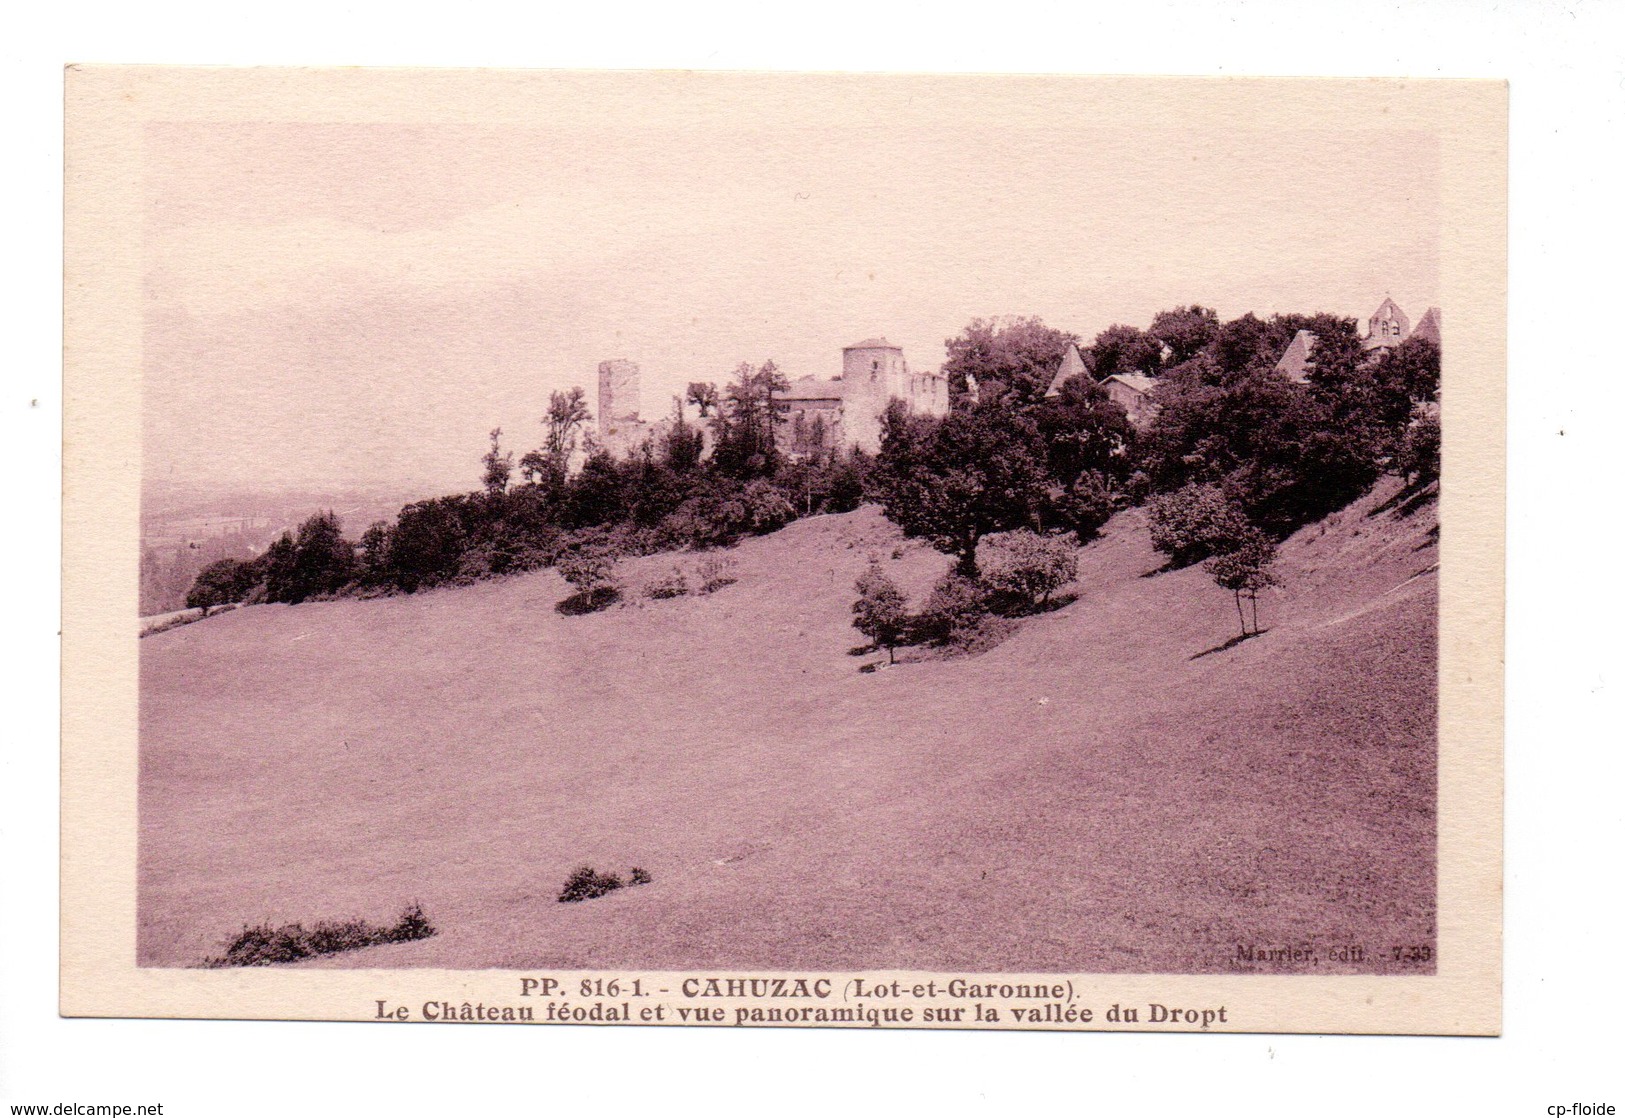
263 945
586 883
1025 568
1195 522
673 584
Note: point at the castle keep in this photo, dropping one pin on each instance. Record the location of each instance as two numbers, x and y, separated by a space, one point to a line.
620 429
841 412
845 411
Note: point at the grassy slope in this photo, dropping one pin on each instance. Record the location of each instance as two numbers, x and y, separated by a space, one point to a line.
1086 796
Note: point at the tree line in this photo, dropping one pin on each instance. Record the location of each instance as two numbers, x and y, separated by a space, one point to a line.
1236 457
664 495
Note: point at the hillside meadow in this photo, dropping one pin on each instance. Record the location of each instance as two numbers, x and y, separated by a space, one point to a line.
1112 789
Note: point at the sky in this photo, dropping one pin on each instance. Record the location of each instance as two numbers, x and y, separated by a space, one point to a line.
351 304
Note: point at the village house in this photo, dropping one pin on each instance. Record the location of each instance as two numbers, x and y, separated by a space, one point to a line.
1130 391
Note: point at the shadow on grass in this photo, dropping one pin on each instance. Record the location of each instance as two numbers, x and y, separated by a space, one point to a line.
1229 644
1168 565
577 604
1060 601
1431 540
1408 500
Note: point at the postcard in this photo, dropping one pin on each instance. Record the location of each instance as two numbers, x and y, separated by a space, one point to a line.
968 552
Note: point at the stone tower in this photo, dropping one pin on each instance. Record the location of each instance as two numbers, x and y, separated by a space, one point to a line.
618 393
872 372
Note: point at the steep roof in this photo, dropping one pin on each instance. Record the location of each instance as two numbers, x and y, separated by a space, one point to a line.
1431 326
1072 364
1137 381
1388 304
873 343
1294 362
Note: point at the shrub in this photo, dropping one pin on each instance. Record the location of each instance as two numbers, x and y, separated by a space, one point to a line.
586 884
1194 522
954 610
640 876
263 945
714 518
1083 507
590 568
671 585
767 508
714 573
1138 486
1418 457
881 611
1027 567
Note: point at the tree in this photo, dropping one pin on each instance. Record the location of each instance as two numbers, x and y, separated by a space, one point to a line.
746 420
1083 430
1245 570
1243 342
1081 508
1413 367
597 495
1195 522
684 444
773 385
591 570
498 466
221 583
566 413
1282 450
881 611
956 479
1022 354
1124 349
704 396
1186 331
277 569
323 560
1029 567
1418 457
1389 387
374 553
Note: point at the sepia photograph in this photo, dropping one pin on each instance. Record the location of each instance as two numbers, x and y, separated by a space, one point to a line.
743 536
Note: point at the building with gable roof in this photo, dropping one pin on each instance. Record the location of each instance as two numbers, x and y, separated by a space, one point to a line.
1295 362
1134 393
1387 326
1130 391
1073 364
1431 326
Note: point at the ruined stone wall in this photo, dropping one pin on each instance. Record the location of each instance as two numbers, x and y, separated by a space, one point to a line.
619 392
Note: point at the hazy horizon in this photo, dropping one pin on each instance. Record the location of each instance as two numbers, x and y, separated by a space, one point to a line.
332 305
